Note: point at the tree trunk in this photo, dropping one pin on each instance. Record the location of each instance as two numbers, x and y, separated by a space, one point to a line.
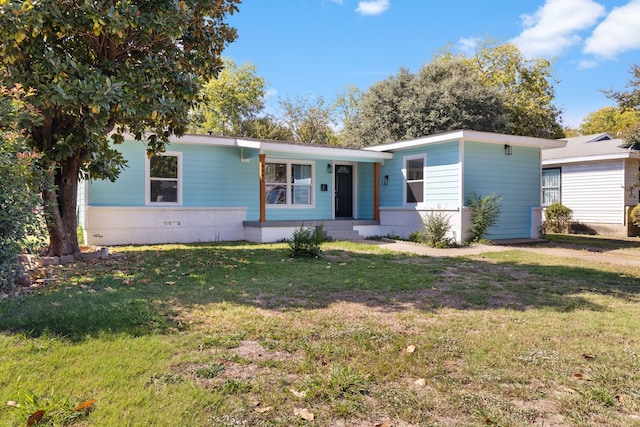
61 201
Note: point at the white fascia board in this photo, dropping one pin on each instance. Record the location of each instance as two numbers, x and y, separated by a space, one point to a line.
244 143
587 159
470 135
328 152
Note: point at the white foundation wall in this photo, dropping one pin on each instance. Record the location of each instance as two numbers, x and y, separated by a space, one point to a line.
269 234
151 225
403 221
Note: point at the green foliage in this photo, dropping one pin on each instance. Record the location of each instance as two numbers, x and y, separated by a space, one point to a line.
57 410
309 120
558 218
21 226
629 100
486 211
635 215
612 120
101 70
526 87
306 241
233 97
266 127
435 230
446 94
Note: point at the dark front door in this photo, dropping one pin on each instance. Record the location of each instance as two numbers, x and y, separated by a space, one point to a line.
344 191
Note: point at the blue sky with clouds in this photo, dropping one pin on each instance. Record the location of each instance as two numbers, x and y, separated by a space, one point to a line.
318 47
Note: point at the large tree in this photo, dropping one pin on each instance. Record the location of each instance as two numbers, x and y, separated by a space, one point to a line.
612 120
309 120
101 69
445 95
526 86
234 97
629 100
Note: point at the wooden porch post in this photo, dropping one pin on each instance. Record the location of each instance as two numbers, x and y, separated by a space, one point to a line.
376 191
263 188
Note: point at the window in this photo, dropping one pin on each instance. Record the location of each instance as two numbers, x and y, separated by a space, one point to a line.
414 176
288 183
550 186
164 185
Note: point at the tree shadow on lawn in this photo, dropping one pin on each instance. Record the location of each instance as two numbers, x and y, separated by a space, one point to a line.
149 292
594 243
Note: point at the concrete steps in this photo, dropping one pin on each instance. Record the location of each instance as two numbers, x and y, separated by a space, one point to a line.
340 231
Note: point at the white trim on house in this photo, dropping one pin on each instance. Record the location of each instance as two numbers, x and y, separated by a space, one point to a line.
266 147
406 180
476 136
288 184
602 157
147 179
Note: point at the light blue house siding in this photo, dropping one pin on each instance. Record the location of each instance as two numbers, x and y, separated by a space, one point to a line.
442 176
221 176
364 194
516 177
212 176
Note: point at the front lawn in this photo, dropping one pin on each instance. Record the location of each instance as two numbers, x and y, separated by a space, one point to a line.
239 334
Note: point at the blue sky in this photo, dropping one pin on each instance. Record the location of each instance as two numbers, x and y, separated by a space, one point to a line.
318 47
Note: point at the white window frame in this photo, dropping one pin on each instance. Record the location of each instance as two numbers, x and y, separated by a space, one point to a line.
289 184
147 187
543 188
406 181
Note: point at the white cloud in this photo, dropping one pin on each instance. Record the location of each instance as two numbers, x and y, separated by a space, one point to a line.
373 7
585 64
618 33
467 45
270 93
554 26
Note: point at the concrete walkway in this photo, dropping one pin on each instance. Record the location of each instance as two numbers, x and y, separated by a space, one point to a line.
622 257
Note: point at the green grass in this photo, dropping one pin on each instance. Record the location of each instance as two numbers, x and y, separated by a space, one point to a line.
241 334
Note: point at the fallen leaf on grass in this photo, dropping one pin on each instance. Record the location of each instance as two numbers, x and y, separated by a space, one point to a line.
410 349
169 283
304 413
384 424
13 403
84 405
588 356
581 376
263 409
420 382
35 418
109 289
298 394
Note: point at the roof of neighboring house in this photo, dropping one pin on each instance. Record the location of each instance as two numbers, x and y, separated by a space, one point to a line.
470 135
586 148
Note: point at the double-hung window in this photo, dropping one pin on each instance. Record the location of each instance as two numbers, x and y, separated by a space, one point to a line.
288 184
163 179
550 186
414 179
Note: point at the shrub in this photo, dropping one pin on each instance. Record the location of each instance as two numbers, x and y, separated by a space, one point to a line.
434 231
21 226
306 241
486 211
558 218
635 215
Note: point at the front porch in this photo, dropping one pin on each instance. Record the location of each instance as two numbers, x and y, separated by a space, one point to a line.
340 229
